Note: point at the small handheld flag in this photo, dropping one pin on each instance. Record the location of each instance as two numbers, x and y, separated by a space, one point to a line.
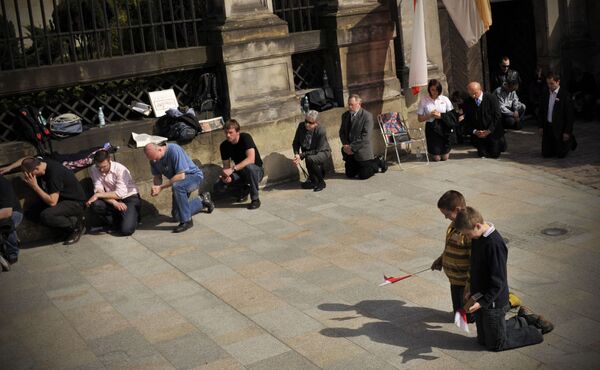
460 319
392 279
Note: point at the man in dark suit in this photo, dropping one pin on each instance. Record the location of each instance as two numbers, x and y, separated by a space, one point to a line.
355 134
483 121
310 143
556 119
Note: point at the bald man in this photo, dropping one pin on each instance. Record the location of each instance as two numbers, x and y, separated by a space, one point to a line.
171 161
483 122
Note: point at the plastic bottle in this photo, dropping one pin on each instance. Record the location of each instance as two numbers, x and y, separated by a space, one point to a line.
41 118
419 154
305 105
101 120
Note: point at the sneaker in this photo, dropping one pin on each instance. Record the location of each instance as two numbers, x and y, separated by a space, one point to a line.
207 201
320 187
73 237
382 164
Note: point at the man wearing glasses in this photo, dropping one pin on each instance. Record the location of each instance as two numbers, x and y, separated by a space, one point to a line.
505 74
310 143
116 197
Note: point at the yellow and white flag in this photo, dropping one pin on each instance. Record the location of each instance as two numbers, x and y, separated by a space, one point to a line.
472 18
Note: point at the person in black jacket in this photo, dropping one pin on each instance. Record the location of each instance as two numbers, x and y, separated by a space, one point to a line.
489 282
310 143
482 120
556 119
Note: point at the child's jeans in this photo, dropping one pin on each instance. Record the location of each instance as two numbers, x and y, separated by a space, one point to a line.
498 334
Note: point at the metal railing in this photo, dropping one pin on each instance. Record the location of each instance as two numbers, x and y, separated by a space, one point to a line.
36 33
301 15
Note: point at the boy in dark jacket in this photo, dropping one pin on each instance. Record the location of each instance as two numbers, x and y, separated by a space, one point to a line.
489 279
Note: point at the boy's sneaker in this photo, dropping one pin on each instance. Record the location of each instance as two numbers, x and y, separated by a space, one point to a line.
536 320
207 201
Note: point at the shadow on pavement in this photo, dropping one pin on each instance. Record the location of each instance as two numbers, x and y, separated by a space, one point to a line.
401 326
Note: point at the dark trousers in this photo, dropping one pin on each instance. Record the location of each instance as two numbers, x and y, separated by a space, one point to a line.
124 222
508 120
248 179
362 169
315 165
489 147
553 147
64 215
457 292
498 334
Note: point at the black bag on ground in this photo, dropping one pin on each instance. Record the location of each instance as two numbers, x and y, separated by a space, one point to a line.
180 127
321 99
32 130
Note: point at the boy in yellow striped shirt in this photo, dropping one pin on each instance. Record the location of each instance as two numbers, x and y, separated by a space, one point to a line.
456 258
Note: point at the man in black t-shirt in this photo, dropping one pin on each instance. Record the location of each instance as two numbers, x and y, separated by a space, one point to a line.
11 215
63 198
242 165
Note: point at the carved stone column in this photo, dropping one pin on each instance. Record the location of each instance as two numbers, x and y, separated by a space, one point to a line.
361 36
254 48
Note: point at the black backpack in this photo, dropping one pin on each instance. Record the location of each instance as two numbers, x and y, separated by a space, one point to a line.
207 100
29 127
321 99
182 129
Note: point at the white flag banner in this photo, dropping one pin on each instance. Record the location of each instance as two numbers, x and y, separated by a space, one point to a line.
472 18
417 75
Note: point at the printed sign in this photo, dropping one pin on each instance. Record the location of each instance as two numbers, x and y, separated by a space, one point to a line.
162 101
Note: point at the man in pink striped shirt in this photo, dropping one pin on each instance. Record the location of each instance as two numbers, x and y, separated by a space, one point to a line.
116 197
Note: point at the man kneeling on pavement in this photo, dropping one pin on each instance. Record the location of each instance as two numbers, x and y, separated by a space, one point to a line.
171 161
116 197
310 144
242 165
62 198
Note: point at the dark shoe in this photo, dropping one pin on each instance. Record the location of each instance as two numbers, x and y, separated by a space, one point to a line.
255 204
320 187
536 320
183 226
382 164
307 185
73 237
207 201
13 259
4 265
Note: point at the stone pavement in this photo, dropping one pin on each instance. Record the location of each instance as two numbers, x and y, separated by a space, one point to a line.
294 285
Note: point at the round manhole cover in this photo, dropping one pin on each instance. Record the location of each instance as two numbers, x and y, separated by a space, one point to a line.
554 231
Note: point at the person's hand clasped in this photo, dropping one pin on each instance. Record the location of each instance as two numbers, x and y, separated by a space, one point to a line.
296 159
119 206
472 308
566 137
156 189
92 199
435 114
347 149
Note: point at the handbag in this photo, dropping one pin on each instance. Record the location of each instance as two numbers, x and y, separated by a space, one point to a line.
65 125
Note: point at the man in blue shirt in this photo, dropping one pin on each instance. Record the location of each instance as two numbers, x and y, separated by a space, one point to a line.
184 176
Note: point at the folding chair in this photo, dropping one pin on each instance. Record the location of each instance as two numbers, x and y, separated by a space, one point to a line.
395 133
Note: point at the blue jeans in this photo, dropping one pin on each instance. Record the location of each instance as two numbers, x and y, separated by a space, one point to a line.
183 206
11 243
248 177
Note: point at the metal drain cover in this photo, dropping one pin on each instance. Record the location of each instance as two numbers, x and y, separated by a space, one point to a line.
554 231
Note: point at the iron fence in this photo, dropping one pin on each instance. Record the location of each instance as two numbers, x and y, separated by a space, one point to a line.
301 15
36 33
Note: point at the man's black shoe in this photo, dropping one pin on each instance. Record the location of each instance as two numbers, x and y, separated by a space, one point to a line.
255 204
382 164
207 201
320 187
183 226
73 237
307 185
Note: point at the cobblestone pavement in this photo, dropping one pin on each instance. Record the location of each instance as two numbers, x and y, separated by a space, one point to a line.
294 285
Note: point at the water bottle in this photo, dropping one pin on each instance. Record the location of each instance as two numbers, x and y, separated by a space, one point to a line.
419 154
305 105
41 118
101 121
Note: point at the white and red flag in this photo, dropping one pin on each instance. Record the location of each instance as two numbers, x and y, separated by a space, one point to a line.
472 18
460 319
417 75
393 279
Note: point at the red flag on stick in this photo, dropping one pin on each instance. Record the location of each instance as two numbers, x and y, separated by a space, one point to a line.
392 279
